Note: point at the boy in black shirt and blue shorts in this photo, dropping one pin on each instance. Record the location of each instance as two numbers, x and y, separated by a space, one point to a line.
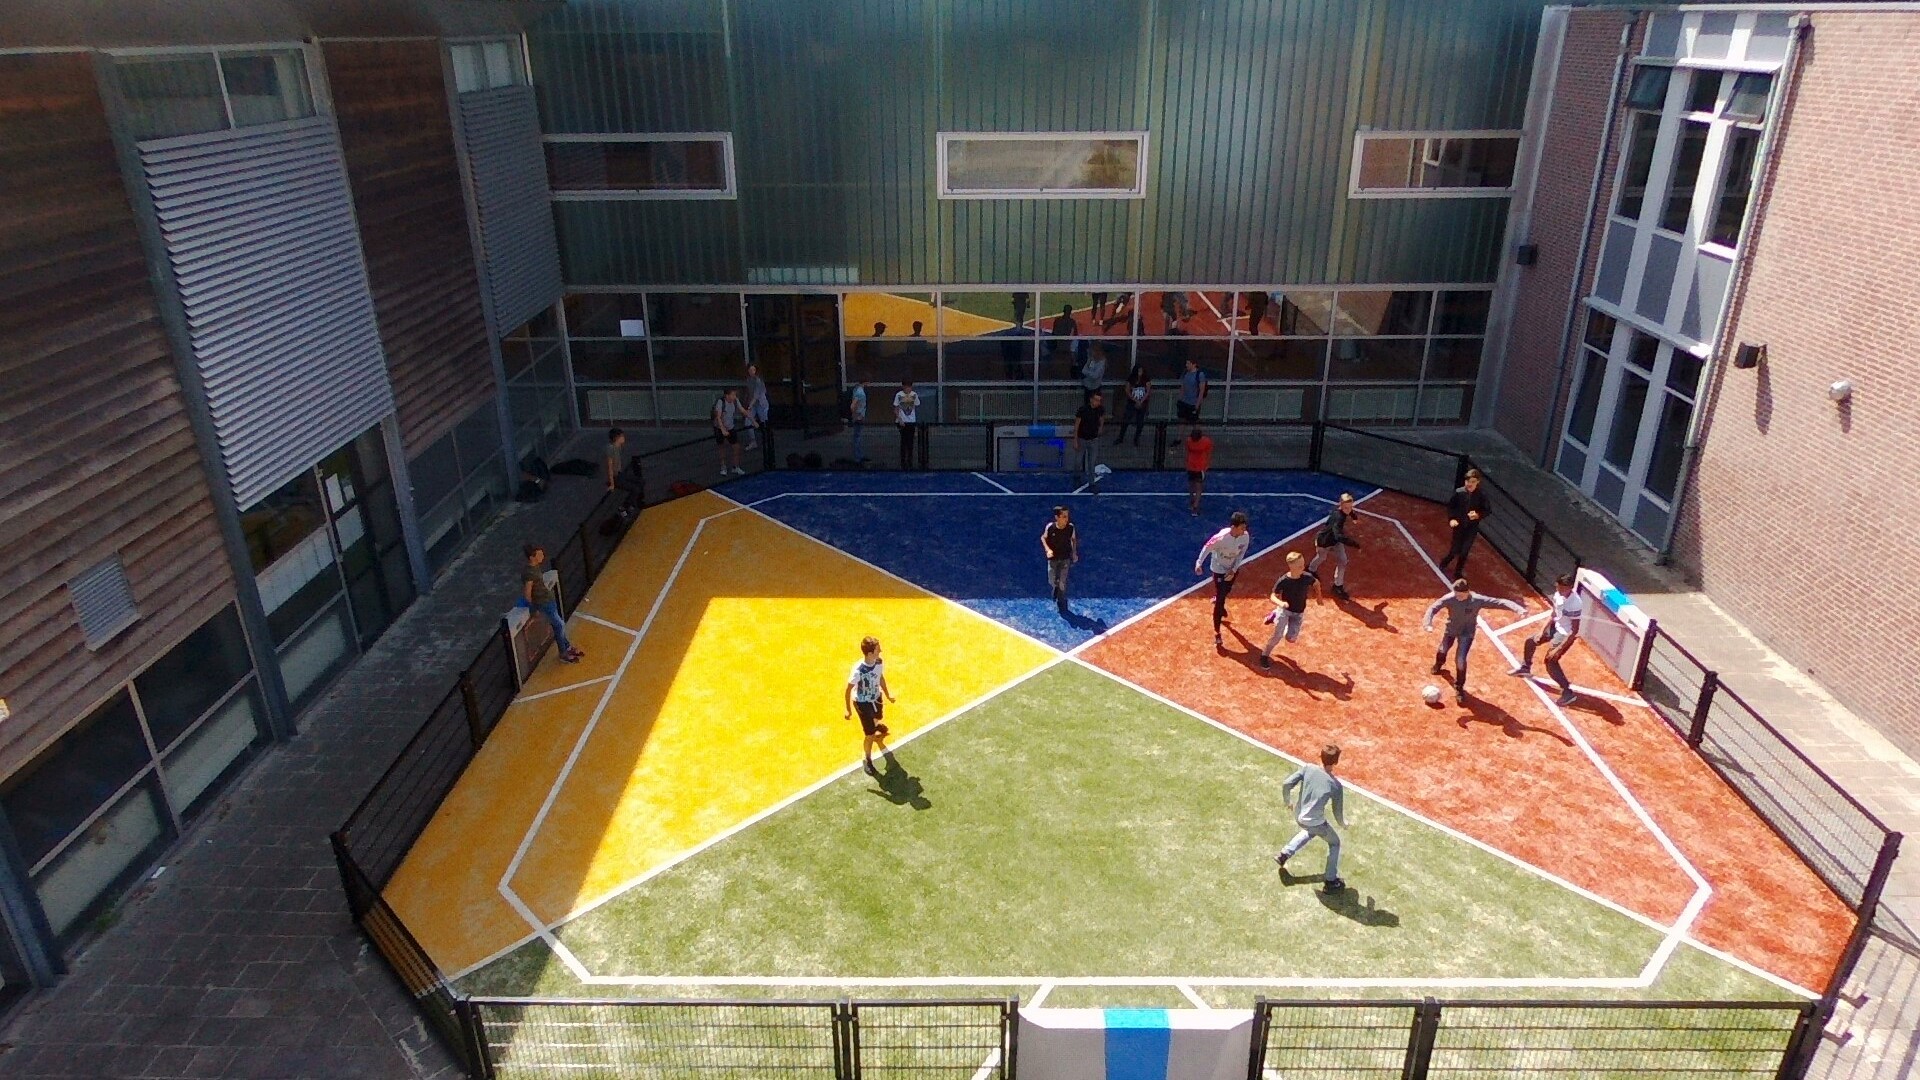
1289 604
866 683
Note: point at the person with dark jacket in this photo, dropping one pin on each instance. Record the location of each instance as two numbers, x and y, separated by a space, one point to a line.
1465 511
1332 542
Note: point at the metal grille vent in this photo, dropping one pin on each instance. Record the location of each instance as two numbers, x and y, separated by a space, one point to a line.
103 600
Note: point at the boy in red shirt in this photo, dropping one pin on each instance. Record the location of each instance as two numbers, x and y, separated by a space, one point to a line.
1199 456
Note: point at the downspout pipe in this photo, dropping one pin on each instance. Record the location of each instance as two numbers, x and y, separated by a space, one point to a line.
1715 372
1544 457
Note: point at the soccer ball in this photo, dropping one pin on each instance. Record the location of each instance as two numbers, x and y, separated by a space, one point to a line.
1431 694
1101 472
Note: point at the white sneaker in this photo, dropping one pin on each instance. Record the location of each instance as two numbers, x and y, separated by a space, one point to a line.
738 471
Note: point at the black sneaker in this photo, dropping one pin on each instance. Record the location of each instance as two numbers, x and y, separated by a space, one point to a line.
1333 885
870 770
1280 860
1266 661
1341 592
1521 672
1436 670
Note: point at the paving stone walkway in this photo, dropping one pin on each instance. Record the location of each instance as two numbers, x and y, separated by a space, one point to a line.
239 959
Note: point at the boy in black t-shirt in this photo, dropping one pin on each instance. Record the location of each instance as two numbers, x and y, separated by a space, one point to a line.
1061 543
1465 511
1289 598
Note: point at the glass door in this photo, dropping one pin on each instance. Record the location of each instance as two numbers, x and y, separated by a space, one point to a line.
795 341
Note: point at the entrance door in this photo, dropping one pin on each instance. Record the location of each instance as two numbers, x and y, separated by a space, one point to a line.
795 340
1625 437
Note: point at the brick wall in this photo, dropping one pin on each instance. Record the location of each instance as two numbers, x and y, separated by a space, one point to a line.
1801 520
1574 125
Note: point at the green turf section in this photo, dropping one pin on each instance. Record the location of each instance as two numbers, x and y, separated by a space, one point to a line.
1074 827
992 305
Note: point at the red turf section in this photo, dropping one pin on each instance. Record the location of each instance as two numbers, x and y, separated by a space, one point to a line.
1502 769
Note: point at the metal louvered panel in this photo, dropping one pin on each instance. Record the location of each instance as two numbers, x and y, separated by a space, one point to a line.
502 132
103 601
259 230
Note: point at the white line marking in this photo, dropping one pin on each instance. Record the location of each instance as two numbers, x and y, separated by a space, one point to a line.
1187 990
846 770
567 689
1546 875
1518 623
985 1071
1204 580
553 792
628 630
1588 691
1039 997
834 981
994 482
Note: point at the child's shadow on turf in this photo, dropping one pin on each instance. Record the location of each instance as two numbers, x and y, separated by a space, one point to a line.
900 787
1084 622
1287 670
1482 711
1347 903
1373 618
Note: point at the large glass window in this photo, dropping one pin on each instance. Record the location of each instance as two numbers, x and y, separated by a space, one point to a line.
487 65
1640 145
1058 165
1649 87
1685 175
1629 402
1736 181
1411 165
189 93
1669 442
640 166
182 685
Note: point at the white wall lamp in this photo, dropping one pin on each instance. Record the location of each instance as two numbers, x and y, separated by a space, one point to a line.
1841 391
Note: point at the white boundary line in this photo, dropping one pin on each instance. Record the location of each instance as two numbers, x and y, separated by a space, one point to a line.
994 482
1186 990
1518 623
985 1071
628 630
1674 935
1039 997
567 689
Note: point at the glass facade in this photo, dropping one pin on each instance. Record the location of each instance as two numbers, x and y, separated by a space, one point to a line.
92 811
1376 355
330 563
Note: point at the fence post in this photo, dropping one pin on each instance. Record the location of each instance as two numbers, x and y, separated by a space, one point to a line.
1804 1040
470 700
767 457
1317 446
1010 1039
986 434
846 1041
1257 1041
506 642
1160 445
922 441
474 1032
586 556
1426 1030
1639 681
1533 549
1797 1063
1709 683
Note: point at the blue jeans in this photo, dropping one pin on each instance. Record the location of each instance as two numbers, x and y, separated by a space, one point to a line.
1461 644
551 609
1325 832
858 427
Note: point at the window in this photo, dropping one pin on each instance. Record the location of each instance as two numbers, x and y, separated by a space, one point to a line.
1686 173
1649 87
640 166
1043 165
177 94
487 65
1749 98
1704 94
1627 407
1730 209
1640 144
1416 164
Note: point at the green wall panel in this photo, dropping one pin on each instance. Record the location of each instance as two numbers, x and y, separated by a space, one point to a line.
834 105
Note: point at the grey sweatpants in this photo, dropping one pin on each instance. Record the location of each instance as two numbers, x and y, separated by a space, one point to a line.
1338 552
1286 624
1325 832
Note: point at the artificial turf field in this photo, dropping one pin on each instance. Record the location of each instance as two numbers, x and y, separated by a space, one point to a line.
1080 810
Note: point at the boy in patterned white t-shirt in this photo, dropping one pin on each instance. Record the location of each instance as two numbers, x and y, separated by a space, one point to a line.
866 683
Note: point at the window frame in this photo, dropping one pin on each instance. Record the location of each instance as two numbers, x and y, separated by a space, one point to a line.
516 43
318 101
1360 138
945 190
724 138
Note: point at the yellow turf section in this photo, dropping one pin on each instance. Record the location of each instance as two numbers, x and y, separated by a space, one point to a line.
730 704
862 310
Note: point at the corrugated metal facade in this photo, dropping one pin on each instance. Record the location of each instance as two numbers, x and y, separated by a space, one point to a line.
1251 105
501 131
259 229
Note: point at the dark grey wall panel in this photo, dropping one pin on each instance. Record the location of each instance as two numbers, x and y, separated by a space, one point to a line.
501 129
258 226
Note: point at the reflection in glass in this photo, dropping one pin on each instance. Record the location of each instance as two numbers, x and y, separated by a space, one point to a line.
92 870
625 165
1586 400
1280 358
169 96
1381 312
1462 312
621 315
1625 426
1640 144
1686 173
183 684
49 798
1669 438
267 88
190 771
1375 360
1649 89
697 361
1749 98
1389 163
1730 210
1040 166
890 315
694 314
1454 358
982 314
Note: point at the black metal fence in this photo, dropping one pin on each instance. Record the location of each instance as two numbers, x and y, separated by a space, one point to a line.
1845 844
1430 1039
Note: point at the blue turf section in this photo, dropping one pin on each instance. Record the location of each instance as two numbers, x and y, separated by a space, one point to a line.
957 535
1139 1044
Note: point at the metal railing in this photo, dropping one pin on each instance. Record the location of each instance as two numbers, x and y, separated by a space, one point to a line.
1831 831
1419 1040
